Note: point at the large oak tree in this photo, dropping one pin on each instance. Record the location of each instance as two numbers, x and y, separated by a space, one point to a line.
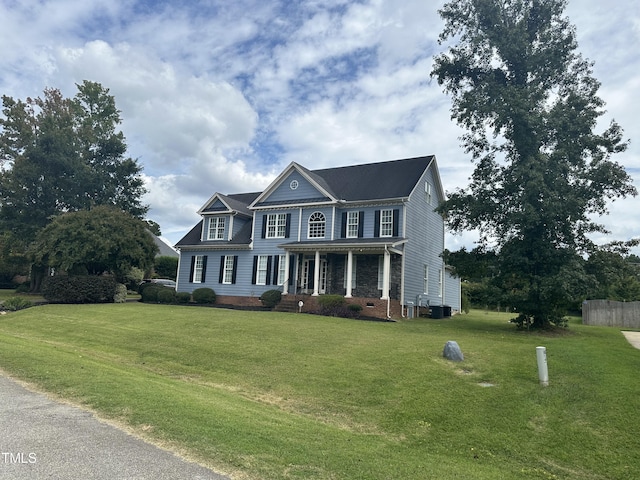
528 102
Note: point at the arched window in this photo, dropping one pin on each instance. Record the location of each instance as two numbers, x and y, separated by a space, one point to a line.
316 225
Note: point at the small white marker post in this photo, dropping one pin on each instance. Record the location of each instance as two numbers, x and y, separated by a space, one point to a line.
300 305
543 371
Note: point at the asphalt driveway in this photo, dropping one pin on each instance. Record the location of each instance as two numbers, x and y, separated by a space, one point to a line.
44 439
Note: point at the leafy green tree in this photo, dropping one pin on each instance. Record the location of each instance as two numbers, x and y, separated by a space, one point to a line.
101 240
166 267
616 277
61 155
529 104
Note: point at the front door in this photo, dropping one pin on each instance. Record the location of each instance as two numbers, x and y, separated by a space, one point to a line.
307 274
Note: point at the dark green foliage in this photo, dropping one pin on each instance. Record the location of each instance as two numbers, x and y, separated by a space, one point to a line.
331 301
183 297
149 292
354 309
79 289
61 155
14 304
166 267
204 295
529 104
334 306
166 295
615 277
103 239
271 298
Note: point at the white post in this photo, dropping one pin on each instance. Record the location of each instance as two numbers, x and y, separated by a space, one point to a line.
543 372
386 275
349 279
285 285
316 275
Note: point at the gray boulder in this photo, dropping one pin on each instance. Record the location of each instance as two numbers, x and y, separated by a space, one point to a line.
452 351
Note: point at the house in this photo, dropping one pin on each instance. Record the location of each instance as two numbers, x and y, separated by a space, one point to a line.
368 232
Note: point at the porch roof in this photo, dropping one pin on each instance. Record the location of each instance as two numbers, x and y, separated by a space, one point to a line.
394 244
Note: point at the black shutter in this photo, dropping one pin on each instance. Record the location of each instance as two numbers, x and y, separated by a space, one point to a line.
264 226
268 279
193 267
360 224
291 268
221 276
255 269
396 222
343 228
376 225
276 269
235 269
204 268
287 226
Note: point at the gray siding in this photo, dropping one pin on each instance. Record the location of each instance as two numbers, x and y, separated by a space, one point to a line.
284 192
425 234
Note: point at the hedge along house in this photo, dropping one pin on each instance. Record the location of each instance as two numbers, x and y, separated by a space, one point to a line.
367 232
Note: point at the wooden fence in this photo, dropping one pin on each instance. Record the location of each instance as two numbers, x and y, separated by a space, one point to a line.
610 313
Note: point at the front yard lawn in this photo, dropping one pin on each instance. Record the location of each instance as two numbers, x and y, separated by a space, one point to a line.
274 395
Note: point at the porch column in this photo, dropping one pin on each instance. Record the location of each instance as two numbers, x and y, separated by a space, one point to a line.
316 275
386 275
349 278
285 286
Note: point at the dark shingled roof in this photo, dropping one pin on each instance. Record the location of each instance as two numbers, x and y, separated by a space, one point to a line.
371 181
243 237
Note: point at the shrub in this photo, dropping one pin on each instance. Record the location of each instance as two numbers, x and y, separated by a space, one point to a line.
16 303
271 298
121 294
149 294
79 289
166 295
204 295
332 305
23 288
183 297
355 309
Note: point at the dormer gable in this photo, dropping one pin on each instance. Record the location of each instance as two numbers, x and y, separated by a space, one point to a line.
228 204
296 185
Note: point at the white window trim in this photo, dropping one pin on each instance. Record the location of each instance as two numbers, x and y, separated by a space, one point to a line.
425 279
276 225
261 270
227 277
216 228
198 268
282 269
353 220
317 224
386 222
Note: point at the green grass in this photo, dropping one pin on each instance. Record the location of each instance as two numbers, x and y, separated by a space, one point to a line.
286 396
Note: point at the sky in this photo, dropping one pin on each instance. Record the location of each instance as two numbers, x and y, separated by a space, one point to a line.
220 96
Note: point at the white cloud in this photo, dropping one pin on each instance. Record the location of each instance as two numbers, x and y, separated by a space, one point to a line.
218 96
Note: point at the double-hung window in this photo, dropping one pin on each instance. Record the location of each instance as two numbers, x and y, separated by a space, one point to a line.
353 219
282 272
227 277
262 270
386 223
425 279
216 228
198 268
276 225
